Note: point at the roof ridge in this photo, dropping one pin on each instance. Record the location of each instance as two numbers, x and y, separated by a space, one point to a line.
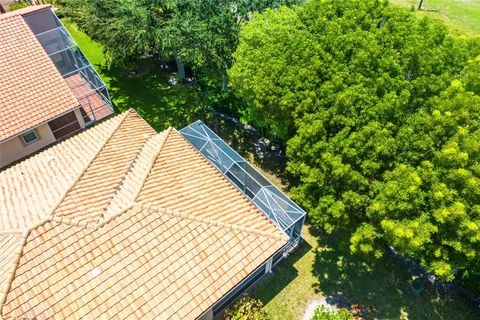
135 174
80 175
178 213
13 269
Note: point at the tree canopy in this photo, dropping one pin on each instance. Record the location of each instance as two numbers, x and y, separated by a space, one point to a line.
381 111
198 33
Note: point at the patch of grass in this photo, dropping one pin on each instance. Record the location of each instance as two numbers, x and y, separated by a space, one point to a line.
291 287
148 92
322 266
462 16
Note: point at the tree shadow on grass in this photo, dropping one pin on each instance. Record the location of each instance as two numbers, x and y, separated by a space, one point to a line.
386 286
150 94
282 275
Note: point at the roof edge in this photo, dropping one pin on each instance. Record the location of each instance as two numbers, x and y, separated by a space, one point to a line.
25 11
16 135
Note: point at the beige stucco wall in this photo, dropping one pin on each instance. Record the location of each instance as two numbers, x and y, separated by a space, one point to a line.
14 149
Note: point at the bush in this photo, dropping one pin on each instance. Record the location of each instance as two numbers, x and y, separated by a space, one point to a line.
17 5
246 308
322 313
381 110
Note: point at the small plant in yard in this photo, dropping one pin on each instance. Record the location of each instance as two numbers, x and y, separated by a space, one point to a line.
246 308
323 313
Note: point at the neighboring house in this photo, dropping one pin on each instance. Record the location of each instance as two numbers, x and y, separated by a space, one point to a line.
48 89
119 222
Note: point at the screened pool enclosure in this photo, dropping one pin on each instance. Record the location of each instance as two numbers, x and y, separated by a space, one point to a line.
80 76
288 216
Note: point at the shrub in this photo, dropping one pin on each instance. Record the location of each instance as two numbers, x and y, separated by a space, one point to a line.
17 5
322 313
246 308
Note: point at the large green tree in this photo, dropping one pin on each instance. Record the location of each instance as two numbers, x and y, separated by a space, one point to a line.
201 34
380 110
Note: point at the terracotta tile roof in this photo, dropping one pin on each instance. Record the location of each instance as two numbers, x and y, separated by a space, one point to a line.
145 227
143 263
32 90
182 178
91 194
26 10
30 190
10 245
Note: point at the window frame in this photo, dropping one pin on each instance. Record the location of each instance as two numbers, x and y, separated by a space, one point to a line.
25 142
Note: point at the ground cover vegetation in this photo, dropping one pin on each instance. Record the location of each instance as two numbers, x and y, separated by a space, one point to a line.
461 16
381 111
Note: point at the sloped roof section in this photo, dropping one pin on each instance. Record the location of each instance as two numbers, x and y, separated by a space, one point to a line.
125 223
144 263
10 245
30 190
181 178
32 90
89 197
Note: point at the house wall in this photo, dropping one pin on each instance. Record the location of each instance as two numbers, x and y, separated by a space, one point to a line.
208 315
14 149
246 284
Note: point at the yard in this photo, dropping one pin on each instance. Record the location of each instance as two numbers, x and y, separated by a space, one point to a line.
321 267
146 88
462 16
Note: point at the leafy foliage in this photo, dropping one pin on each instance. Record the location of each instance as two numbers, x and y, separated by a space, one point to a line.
201 34
322 313
246 308
380 109
17 5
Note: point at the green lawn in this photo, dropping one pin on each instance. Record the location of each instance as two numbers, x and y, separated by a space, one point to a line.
462 16
148 92
320 267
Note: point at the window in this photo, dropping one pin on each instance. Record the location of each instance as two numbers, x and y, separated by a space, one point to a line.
29 137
